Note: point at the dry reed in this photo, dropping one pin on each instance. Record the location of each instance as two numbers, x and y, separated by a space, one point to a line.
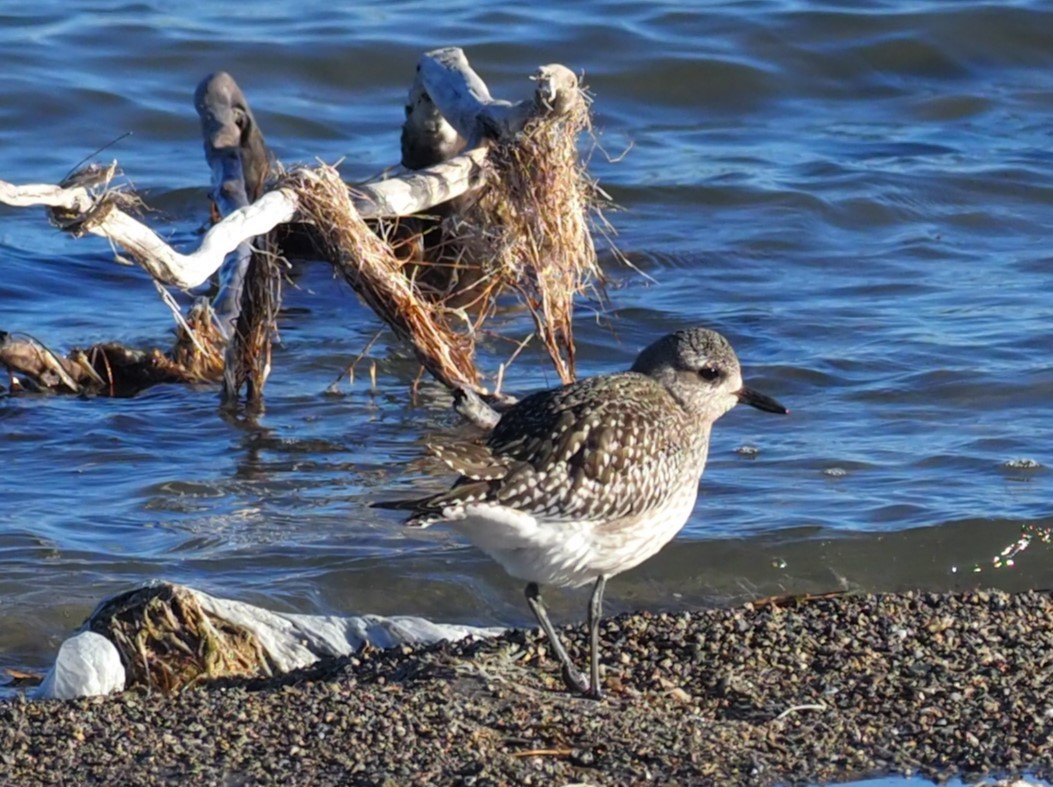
372 269
167 642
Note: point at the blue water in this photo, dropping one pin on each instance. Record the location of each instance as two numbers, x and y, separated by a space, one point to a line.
917 781
860 196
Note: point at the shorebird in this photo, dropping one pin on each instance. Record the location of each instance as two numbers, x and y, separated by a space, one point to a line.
579 483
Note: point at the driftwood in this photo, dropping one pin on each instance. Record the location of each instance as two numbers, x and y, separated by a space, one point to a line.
111 369
461 140
464 100
98 213
250 279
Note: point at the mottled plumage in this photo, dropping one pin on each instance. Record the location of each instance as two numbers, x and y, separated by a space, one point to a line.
597 450
581 482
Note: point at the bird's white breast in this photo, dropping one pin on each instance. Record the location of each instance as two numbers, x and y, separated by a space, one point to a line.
570 553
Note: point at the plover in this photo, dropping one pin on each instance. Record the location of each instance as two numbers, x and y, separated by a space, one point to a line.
579 483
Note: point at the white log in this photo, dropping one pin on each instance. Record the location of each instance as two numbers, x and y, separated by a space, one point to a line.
423 189
77 198
191 270
405 195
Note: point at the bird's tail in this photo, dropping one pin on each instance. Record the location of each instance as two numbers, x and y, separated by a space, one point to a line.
419 515
410 504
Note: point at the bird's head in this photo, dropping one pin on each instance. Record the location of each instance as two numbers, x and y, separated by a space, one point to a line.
701 371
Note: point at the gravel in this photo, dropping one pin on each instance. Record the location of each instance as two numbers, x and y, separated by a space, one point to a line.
781 692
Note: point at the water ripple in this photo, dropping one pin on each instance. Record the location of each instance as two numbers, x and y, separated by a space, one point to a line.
858 196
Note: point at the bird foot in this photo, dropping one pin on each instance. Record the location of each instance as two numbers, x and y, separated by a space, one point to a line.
575 681
593 693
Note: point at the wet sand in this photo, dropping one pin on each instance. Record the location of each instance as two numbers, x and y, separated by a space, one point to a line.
787 692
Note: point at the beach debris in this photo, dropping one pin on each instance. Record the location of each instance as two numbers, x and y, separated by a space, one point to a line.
87 665
168 637
496 201
113 369
167 640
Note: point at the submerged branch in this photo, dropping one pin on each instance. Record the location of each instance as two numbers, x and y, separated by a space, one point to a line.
250 278
110 368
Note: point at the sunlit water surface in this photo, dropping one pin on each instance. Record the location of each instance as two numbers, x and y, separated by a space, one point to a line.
860 196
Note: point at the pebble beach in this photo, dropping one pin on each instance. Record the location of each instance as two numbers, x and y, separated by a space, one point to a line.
786 691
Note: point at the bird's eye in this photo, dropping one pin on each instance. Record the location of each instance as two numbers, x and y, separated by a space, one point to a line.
709 373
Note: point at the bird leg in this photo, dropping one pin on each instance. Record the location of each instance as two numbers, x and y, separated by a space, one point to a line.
571 677
595 612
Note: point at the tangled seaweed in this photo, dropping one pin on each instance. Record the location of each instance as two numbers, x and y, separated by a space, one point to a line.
167 642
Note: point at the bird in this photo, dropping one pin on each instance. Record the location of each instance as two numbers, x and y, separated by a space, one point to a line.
579 483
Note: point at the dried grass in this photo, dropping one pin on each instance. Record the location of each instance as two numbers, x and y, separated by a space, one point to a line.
526 232
166 641
373 270
530 229
248 357
197 355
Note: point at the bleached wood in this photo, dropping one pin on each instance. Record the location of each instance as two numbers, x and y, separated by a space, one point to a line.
191 270
421 190
457 92
464 100
460 95
411 193
50 195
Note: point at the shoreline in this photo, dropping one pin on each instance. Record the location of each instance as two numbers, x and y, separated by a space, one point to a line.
776 692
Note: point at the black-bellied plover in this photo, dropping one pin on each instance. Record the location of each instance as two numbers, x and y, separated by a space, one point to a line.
579 483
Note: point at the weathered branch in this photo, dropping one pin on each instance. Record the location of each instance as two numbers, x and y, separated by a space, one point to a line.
110 368
421 190
229 127
250 282
427 139
400 196
463 99
75 198
526 232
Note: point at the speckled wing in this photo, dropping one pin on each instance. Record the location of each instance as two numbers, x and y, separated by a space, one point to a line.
596 450
473 461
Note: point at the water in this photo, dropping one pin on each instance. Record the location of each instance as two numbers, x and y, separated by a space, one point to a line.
919 781
858 195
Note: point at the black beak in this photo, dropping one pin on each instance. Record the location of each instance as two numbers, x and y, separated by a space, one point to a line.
760 401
